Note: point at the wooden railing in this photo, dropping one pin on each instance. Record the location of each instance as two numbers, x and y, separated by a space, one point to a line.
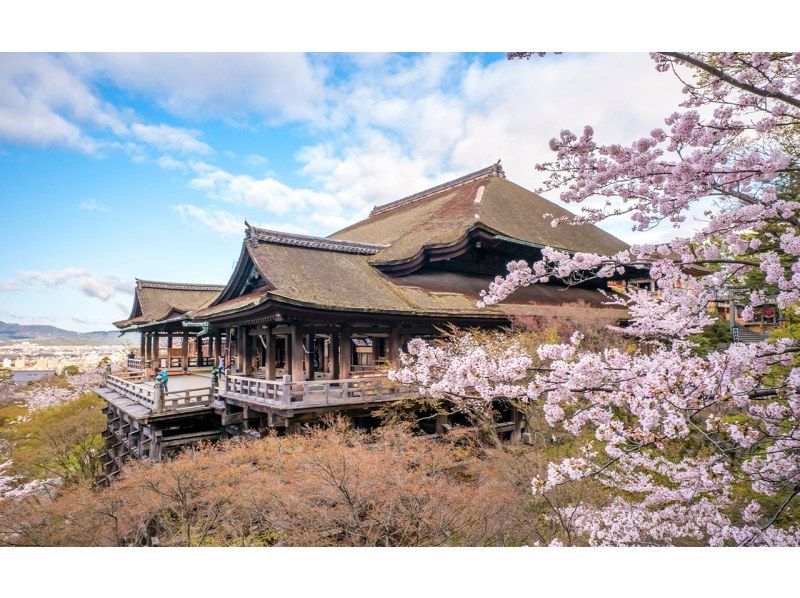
182 399
204 362
287 394
132 390
150 395
135 364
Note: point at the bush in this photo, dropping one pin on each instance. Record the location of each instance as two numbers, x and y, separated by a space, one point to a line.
62 441
332 486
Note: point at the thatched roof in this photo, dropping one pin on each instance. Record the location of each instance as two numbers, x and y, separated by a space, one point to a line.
340 277
484 199
155 301
374 265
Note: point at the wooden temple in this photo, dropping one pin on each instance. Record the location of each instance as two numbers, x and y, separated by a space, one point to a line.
160 313
304 322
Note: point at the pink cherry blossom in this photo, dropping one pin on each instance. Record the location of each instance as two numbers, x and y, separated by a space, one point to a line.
650 408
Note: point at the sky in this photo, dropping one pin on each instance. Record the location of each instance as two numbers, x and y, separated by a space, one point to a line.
122 166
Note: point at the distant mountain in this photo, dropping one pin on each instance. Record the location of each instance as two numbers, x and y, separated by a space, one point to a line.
50 335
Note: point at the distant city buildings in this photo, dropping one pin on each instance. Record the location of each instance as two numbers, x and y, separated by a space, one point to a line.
32 356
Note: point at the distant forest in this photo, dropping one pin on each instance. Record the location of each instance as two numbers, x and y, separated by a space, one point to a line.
51 335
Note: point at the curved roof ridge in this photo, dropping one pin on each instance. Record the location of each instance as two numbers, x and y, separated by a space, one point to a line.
262 235
178 286
493 170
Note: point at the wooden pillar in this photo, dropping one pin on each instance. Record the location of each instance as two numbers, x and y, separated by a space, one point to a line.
185 351
249 353
169 341
156 348
217 349
298 355
335 356
345 351
241 340
376 350
198 350
228 354
308 352
393 344
272 354
519 421
441 423
141 346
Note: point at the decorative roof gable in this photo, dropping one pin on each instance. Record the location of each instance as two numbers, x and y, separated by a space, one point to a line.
177 286
260 235
493 170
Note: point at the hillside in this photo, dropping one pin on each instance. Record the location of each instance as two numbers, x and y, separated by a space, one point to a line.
10 333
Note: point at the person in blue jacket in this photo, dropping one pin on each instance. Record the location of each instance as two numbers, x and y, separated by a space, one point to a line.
163 378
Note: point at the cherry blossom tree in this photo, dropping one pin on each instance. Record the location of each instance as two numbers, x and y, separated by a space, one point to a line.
697 448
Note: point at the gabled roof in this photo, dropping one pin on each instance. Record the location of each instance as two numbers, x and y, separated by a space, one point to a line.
485 199
256 235
314 273
349 271
155 301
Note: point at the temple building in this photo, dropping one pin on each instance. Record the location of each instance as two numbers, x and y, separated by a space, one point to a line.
159 312
303 321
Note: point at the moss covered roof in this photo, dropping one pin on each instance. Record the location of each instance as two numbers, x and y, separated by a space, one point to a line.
445 214
154 301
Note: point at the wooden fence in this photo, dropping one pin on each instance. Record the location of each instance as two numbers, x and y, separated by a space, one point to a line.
151 395
285 393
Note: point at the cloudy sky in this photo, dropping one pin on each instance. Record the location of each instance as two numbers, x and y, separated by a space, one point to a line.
127 165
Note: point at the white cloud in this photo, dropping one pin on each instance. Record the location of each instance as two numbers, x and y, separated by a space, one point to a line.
214 219
274 87
403 124
103 288
91 205
170 163
255 160
42 103
171 139
47 100
266 193
384 127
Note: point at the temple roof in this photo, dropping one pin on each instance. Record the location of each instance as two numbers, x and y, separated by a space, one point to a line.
485 199
378 265
155 301
262 235
314 275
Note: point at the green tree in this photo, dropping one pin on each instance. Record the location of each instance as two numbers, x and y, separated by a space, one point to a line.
63 441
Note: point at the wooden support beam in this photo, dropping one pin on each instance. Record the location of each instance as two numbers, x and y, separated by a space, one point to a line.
442 420
519 421
198 350
249 354
298 355
141 346
185 351
335 355
228 348
345 351
169 341
308 343
376 350
272 353
393 343
241 343
156 347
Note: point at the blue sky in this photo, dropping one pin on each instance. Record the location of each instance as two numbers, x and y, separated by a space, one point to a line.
145 165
